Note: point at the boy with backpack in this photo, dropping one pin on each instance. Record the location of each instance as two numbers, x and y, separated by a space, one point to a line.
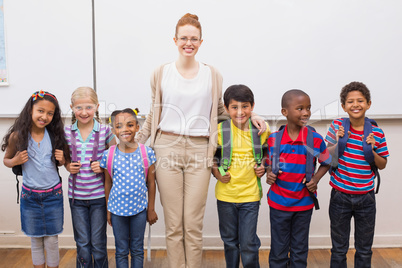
238 187
360 149
293 151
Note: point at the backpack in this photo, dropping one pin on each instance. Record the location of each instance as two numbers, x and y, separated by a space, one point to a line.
367 150
310 159
224 153
74 157
17 170
144 156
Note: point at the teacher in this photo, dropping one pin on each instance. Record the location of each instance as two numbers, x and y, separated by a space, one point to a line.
182 126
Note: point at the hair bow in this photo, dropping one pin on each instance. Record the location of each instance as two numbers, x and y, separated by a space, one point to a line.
37 94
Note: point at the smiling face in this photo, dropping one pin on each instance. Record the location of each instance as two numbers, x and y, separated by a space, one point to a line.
42 114
240 112
125 127
84 110
188 40
297 110
356 105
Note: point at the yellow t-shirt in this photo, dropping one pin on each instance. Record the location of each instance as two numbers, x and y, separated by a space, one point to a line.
242 186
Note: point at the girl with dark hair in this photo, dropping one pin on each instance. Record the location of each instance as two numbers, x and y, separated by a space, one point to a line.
36 142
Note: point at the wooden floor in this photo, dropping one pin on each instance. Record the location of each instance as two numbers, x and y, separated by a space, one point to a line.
382 258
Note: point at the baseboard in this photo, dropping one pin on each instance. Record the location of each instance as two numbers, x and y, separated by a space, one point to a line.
210 242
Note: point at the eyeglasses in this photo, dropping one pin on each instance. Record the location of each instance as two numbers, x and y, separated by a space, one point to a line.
193 40
87 108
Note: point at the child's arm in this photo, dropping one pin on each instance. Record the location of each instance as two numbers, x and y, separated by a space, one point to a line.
379 161
59 155
338 134
217 174
258 122
152 217
108 186
12 157
312 185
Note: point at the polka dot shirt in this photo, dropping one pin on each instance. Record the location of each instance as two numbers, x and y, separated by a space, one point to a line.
128 195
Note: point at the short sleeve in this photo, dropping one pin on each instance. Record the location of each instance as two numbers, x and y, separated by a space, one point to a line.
103 162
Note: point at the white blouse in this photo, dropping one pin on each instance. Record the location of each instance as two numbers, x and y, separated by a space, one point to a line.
186 102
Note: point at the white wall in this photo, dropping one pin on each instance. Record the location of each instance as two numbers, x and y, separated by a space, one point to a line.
389 217
270 45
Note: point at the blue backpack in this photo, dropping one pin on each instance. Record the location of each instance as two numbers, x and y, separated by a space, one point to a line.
310 160
367 150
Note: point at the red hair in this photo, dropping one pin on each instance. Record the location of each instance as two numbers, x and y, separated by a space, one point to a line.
189 19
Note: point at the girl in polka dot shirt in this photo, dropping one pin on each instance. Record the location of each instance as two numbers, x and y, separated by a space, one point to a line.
126 190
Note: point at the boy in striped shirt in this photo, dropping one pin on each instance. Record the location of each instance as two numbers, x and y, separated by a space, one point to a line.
291 205
353 181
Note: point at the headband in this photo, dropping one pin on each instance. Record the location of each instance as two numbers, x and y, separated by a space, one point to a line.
42 94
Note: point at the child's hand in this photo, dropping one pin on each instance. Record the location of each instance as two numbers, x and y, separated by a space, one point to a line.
271 177
259 123
95 166
109 218
340 133
224 179
311 185
370 140
59 155
152 217
74 168
21 157
259 170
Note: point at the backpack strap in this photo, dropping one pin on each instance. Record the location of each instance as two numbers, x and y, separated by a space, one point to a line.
74 159
310 165
257 150
109 161
226 141
276 150
144 157
368 151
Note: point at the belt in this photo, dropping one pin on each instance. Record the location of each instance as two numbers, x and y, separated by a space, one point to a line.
42 191
180 135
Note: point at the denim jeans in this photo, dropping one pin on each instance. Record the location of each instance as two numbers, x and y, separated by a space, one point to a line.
129 238
238 229
342 208
89 224
289 234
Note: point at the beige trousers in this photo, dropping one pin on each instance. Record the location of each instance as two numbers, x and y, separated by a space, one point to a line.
183 177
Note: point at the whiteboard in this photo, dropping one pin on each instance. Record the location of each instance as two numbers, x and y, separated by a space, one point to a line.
269 45
49 47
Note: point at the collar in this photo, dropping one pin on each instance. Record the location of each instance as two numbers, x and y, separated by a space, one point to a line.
96 127
301 138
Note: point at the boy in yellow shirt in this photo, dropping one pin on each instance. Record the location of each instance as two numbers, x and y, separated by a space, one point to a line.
237 190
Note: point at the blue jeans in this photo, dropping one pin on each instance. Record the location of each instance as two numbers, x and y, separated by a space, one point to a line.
89 224
129 238
238 229
342 208
289 234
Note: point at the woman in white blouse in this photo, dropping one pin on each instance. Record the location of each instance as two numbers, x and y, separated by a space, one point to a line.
182 126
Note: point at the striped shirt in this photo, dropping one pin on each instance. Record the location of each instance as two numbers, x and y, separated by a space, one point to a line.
288 193
88 185
354 174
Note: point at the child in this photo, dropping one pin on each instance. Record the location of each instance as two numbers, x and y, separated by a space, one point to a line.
353 181
291 204
87 139
237 192
126 189
36 141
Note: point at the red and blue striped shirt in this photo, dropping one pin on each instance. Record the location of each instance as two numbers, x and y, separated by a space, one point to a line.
289 193
354 174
